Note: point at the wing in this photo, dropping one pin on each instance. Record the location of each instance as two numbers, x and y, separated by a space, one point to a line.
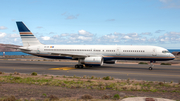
74 55
21 48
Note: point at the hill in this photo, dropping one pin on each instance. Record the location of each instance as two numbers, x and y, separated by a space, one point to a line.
6 48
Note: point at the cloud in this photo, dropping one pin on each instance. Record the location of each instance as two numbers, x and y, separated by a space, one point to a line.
15 39
132 34
162 40
63 13
86 37
14 36
64 34
146 33
39 27
170 3
45 38
14 31
70 16
10 39
13 19
174 33
126 37
170 37
84 33
83 38
159 31
51 33
116 33
80 37
2 27
2 35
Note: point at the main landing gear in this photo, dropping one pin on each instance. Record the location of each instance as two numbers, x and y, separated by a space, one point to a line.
151 65
79 66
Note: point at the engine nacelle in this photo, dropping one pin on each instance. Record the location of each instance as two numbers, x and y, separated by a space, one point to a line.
92 61
110 61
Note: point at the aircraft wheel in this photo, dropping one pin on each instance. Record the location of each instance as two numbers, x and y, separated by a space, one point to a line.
150 68
76 66
81 66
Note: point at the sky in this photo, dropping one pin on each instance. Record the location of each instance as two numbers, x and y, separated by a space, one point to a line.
93 22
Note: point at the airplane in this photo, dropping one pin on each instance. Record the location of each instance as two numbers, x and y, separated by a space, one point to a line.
91 55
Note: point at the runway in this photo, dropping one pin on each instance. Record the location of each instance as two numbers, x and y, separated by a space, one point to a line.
120 71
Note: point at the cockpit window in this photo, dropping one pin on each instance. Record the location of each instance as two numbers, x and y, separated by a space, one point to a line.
165 51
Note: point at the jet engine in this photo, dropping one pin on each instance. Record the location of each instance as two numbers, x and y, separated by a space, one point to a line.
92 61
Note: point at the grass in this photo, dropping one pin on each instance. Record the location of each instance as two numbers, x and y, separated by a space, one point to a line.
165 64
116 97
16 73
143 63
108 78
53 98
92 83
106 97
9 98
34 73
86 96
45 95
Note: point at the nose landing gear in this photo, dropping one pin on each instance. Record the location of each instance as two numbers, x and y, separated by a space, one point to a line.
151 65
150 68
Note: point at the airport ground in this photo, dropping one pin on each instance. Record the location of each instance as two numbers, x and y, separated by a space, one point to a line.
123 70
23 87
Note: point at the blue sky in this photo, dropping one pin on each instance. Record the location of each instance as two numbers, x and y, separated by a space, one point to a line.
94 22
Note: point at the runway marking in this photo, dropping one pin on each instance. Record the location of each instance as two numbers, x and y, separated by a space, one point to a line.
62 68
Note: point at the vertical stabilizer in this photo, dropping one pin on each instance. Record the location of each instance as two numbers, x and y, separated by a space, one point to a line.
28 39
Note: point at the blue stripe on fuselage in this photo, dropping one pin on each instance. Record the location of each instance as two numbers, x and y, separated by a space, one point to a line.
144 59
55 57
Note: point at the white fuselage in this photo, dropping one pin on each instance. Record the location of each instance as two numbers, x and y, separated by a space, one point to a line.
107 52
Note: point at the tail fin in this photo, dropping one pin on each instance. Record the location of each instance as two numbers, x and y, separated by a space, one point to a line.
28 39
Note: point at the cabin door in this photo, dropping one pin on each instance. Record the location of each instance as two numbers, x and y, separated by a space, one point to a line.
118 51
38 49
154 52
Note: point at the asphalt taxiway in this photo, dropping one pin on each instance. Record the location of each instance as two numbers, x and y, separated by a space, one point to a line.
122 71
